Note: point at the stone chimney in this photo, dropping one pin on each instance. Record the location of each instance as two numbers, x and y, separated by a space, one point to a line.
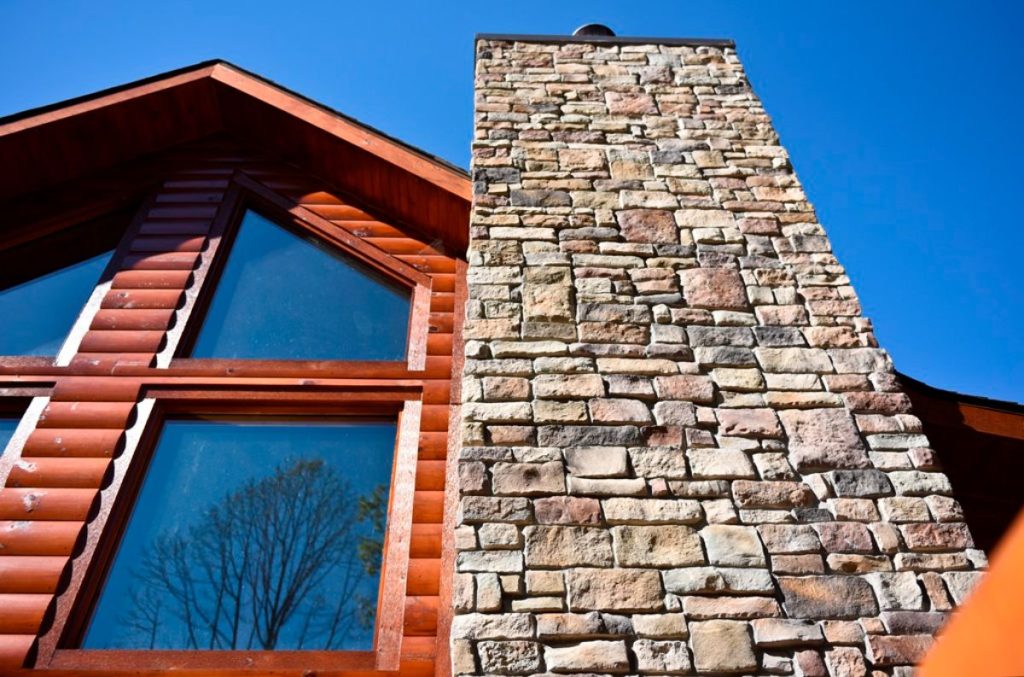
683 451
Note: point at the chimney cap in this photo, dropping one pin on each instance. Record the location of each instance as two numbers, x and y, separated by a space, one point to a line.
594 30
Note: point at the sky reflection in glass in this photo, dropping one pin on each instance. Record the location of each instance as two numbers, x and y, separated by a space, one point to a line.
7 426
36 315
252 535
285 296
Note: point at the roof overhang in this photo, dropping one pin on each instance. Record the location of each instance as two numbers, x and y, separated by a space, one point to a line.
49 146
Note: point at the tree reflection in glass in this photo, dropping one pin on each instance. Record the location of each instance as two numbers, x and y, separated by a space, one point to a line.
252 536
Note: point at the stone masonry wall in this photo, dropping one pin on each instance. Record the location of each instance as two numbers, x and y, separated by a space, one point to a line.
682 450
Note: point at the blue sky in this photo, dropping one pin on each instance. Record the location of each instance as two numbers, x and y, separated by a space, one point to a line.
902 120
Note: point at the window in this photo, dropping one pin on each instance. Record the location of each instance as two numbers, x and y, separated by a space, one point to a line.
249 490
252 534
287 296
45 283
7 426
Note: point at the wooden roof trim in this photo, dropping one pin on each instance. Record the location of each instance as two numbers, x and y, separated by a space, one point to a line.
435 171
91 103
985 415
358 135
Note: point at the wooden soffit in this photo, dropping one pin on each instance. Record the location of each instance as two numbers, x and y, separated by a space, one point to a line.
45 147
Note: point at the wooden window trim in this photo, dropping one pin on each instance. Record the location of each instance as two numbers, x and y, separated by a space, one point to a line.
87 575
246 192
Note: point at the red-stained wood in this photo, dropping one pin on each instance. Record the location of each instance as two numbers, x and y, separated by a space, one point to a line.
401 514
132 320
13 649
67 473
72 442
430 475
426 540
421 615
66 458
122 341
36 537
446 610
22 613
46 503
111 415
96 389
171 262
152 279
429 507
148 299
424 576
28 574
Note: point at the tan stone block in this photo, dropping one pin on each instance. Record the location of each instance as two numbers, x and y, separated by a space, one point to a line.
630 103
742 380
715 288
559 546
567 510
594 656
567 386
821 597
661 657
722 646
492 626
648 225
582 486
527 479
652 510
686 387
886 650
661 625
772 494
617 590
794 360
657 546
749 422
547 303
581 158
509 657
505 388
823 439
720 464
705 218
548 411
618 410
596 461
729 545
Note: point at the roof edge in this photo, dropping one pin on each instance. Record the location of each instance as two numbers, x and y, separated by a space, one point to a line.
975 400
116 89
607 40
333 111
27 114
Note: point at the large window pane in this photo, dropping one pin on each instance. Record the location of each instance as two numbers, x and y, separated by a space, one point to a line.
286 296
7 427
45 283
36 314
252 535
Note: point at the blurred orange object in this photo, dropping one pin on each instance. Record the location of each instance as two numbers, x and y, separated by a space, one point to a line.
984 636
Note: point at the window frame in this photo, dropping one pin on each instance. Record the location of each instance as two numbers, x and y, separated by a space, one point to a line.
246 193
403 402
119 379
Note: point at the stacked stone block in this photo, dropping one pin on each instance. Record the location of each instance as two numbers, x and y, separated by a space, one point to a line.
682 450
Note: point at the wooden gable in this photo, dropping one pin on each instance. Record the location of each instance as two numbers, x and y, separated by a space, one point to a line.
46 147
188 147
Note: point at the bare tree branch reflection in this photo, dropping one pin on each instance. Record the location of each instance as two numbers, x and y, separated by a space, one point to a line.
288 560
